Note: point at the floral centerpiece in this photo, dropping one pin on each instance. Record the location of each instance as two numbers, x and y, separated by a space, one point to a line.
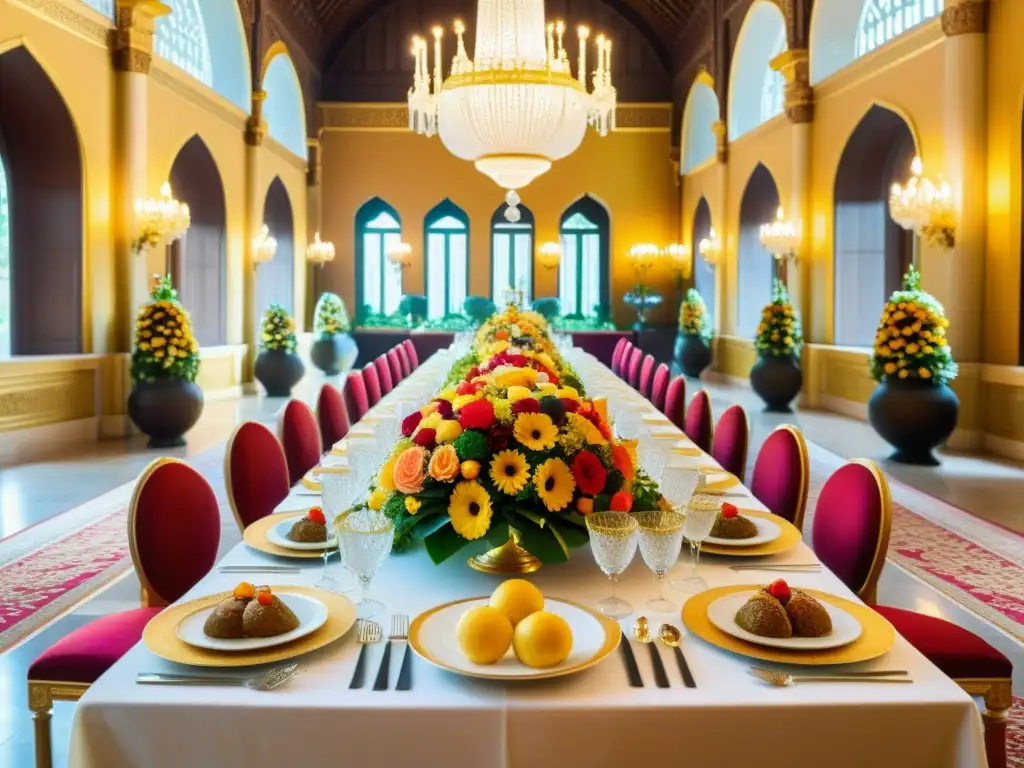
278 368
776 375
693 342
510 448
331 317
278 331
333 349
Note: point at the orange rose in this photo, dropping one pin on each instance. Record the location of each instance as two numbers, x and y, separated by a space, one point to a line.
444 464
408 473
622 462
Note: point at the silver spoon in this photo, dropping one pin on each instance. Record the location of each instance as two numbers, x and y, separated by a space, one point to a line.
783 679
267 680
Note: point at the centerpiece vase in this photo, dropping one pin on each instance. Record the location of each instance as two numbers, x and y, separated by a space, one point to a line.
508 559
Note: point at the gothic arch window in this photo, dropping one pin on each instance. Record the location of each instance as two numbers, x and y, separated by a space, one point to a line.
583 273
698 140
703 272
181 39
5 268
511 254
773 98
762 37
447 237
883 20
378 283
755 267
284 109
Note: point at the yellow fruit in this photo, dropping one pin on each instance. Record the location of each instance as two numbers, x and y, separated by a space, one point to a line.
484 634
517 599
542 640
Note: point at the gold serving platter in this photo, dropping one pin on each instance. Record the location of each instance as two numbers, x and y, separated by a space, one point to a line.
255 536
788 539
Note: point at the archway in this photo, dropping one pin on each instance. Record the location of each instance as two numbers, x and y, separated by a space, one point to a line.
755 267
871 252
378 283
446 233
275 280
199 260
40 151
698 140
703 273
752 83
512 254
284 109
584 272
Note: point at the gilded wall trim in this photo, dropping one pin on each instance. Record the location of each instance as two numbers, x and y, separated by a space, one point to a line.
965 17
221 368
170 76
734 356
74 16
271 144
36 393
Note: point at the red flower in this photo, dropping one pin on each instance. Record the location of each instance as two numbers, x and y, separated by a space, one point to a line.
410 422
589 472
621 502
472 373
465 388
570 405
477 415
498 438
445 409
426 438
622 462
526 405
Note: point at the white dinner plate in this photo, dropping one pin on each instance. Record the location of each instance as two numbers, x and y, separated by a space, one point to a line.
312 615
767 531
845 628
279 535
432 635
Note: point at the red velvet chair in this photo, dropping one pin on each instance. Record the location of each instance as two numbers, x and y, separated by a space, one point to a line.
410 349
173 535
659 386
627 353
372 382
396 367
255 473
646 372
384 374
299 433
782 474
633 367
403 358
698 423
675 401
356 401
331 416
732 438
620 346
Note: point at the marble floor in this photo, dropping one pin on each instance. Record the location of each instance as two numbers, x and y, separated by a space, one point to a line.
29 495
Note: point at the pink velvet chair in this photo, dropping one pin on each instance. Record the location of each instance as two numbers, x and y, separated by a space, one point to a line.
372 382
732 437
410 349
675 402
299 433
781 474
396 367
620 345
384 374
698 423
627 353
659 387
633 367
403 358
646 372
255 473
331 416
173 535
356 401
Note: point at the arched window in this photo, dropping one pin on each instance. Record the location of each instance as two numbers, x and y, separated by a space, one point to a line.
882 20
378 282
699 116
703 272
106 7
447 236
583 273
5 268
762 37
275 280
773 99
755 267
284 109
511 254
181 39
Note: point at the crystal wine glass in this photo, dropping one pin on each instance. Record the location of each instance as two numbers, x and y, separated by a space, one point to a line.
613 541
364 538
655 454
701 513
338 490
661 539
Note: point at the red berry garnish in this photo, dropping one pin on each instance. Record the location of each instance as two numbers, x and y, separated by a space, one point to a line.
316 515
779 589
264 597
729 511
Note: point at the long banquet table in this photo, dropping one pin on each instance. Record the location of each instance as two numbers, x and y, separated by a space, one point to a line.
589 719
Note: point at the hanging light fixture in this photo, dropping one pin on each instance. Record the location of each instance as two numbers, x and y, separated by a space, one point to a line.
319 252
161 220
925 207
710 248
516 107
781 238
550 255
264 247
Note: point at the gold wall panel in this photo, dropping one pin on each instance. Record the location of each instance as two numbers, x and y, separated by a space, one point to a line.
221 369
845 375
1003 410
35 393
734 356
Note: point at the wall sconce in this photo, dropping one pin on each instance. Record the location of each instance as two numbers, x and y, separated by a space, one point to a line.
710 248
550 255
925 207
400 255
781 238
642 258
678 257
264 247
319 252
159 220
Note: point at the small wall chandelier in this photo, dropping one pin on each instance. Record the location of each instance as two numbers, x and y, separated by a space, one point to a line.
642 258
264 247
710 248
678 257
925 207
400 255
319 252
161 220
781 238
550 255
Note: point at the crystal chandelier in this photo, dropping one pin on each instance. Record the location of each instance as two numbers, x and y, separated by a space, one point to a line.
710 248
781 238
550 255
925 207
516 107
400 255
319 252
678 257
264 247
163 220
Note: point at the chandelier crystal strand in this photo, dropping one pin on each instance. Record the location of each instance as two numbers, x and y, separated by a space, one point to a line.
781 238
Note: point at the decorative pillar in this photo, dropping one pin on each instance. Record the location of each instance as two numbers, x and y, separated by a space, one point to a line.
255 132
314 222
721 131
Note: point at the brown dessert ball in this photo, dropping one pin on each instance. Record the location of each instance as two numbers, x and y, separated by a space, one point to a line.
808 617
225 623
268 620
765 616
308 531
738 527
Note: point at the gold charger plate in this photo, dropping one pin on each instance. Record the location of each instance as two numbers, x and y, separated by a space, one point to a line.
877 637
788 539
161 633
612 635
256 537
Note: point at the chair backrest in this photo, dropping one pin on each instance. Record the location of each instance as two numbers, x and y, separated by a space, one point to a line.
255 473
633 367
331 416
852 521
173 530
659 386
356 401
410 349
698 424
396 366
372 382
646 372
384 374
627 353
732 436
781 474
675 402
620 345
403 358
300 437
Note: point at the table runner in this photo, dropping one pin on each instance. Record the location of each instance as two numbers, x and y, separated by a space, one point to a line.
590 719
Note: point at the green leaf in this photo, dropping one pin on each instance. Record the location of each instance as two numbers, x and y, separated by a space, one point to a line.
443 543
498 532
428 525
541 543
532 516
436 492
572 536
575 518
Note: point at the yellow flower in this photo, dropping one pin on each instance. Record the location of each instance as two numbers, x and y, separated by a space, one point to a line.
377 499
555 484
433 421
517 393
470 510
471 469
546 388
510 472
904 373
928 349
412 505
924 373
503 410
463 400
912 348
890 368
535 431
386 478
569 393
448 430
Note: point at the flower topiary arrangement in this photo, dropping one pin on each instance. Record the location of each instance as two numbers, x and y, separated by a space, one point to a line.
331 316
278 330
164 345
779 333
333 349
694 319
911 339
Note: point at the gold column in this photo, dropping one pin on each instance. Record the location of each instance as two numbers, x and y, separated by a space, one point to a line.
314 224
718 220
255 131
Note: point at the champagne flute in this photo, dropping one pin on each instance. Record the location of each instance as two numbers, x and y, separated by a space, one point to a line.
701 513
338 488
365 538
661 540
613 538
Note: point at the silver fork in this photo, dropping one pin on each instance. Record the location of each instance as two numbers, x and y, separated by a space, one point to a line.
397 633
367 633
405 673
265 681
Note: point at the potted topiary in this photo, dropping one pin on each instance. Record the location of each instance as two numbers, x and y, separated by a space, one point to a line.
278 368
693 342
776 375
165 401
913 407
334 350
479 308
549 307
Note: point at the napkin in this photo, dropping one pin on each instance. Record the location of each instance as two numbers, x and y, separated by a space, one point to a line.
664 432
655 418
340 447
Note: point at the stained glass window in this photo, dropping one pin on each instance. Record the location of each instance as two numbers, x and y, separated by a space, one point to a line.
378 282
511 255
5 268
582 273
447 260
181 39
883 20
773 97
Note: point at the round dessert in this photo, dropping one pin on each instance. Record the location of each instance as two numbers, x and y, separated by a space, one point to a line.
517 599
542 640
484 634
267 616
310 529
765 616
808 617
731 525
225 622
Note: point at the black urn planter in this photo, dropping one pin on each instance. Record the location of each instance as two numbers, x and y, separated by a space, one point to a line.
692 353
165 410
278 371
914 417
777 380
334 354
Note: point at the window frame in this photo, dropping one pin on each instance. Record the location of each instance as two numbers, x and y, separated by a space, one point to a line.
446 208
502 227
369 211
597 214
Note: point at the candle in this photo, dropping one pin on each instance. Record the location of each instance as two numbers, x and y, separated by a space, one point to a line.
551 44
416 56
584 33
560 30
608 61
599 76
437 58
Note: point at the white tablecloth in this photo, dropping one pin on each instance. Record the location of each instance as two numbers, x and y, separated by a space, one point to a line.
591 719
